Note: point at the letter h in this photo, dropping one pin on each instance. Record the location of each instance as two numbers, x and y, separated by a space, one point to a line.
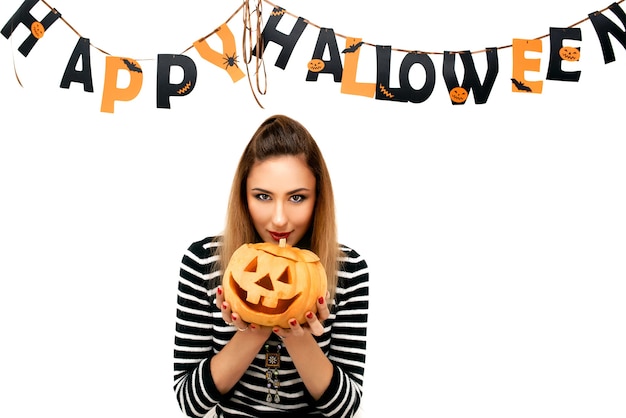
22 15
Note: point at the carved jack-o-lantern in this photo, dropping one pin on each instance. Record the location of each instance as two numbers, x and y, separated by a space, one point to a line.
268 284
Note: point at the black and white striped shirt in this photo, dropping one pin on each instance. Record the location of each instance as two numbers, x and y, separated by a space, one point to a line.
201 333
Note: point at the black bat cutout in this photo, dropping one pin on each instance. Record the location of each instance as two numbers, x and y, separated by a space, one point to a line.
131 66
521 86
352 48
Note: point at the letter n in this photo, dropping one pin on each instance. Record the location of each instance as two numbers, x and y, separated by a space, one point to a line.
604 26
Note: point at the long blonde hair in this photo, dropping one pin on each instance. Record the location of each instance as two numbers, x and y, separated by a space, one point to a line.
280 135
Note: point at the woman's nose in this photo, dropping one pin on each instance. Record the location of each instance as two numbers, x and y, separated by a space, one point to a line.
279 217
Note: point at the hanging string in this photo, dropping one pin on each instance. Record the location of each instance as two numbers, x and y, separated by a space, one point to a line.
412 51
251 36
205 37
247 15
13 58
71 27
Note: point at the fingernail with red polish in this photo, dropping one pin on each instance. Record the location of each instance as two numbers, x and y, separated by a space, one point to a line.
219 290
293 322
234 317
321 300
276 329
224 306
252 326
309 315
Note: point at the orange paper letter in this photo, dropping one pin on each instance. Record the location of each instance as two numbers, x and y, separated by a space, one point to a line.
111 91
349 85
521 64
226 60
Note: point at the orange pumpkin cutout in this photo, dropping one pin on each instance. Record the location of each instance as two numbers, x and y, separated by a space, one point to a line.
458 95
37 29
316 65
568 53
267 284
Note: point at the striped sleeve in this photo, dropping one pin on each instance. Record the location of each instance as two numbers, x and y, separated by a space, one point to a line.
193 341
348 322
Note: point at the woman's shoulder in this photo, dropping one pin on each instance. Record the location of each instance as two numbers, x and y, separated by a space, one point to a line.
350 260
352 275
206 247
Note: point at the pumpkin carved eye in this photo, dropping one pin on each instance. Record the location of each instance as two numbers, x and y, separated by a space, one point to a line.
268 285
251 268
266 282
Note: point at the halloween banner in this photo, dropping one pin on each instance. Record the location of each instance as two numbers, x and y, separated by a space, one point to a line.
334 58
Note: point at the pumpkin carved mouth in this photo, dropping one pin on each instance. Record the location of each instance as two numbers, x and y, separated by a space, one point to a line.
281 305
271 305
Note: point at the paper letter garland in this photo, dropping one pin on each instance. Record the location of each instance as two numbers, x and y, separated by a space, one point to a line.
341 66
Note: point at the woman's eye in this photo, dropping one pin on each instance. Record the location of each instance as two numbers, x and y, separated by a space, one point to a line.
297 198
263 196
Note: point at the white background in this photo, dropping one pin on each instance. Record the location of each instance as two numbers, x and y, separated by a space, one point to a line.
495 233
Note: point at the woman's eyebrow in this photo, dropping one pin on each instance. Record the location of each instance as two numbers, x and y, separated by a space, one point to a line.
298 190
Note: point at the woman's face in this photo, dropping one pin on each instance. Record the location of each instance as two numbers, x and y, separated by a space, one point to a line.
281 198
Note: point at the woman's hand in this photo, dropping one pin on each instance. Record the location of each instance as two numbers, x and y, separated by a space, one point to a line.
233 319
313 323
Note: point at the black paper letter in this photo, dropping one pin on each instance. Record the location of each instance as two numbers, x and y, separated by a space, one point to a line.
164 88
470 77
288 41
327 38
604 26
23 16
81 50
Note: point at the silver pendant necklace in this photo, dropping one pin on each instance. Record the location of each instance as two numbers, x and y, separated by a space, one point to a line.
272 364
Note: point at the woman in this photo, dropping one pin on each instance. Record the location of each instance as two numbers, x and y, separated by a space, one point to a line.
281 189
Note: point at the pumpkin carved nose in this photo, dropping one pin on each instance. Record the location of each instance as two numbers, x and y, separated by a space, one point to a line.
265 282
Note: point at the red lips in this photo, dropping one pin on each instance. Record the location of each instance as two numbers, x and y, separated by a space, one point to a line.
279 235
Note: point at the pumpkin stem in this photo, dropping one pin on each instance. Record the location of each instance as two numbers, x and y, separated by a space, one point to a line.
282 243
